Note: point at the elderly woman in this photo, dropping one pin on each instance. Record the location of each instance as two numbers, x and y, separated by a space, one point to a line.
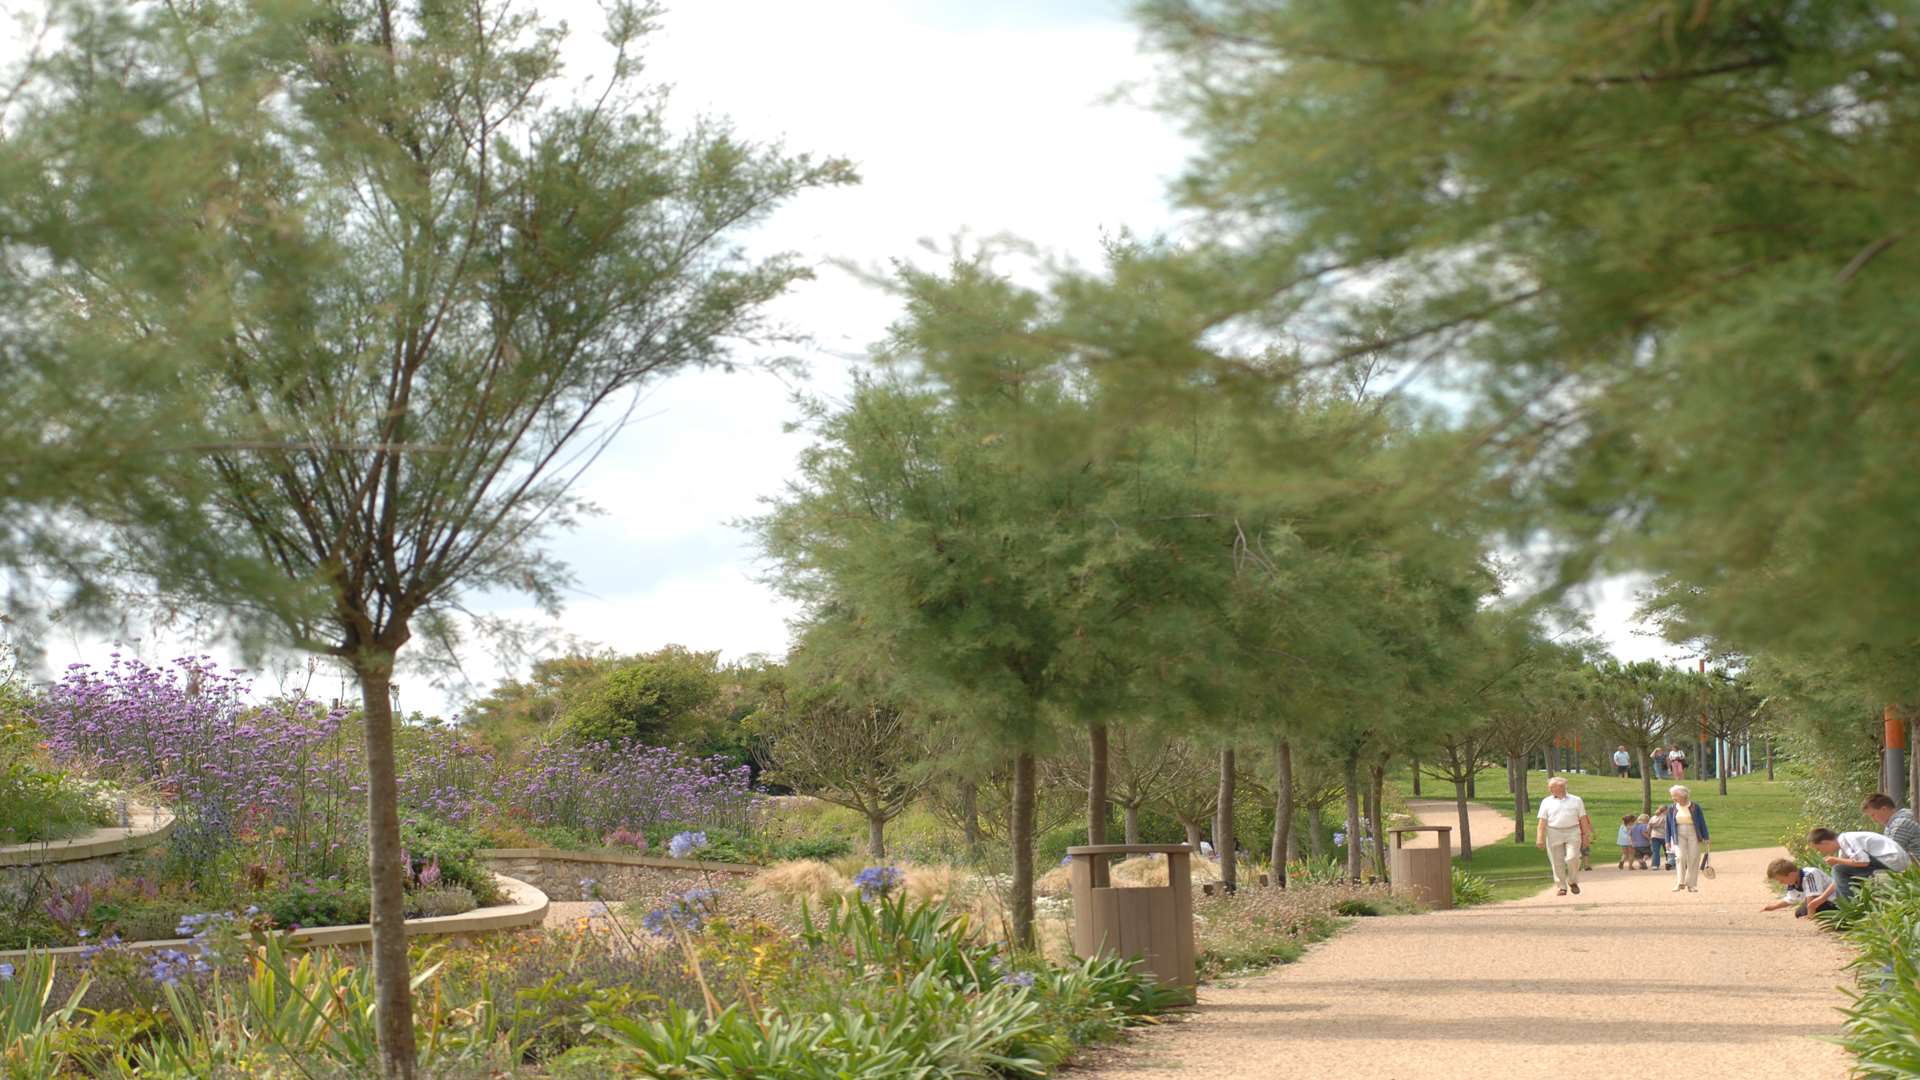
1686 828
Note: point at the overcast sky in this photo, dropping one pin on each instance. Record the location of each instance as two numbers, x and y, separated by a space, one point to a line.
982 117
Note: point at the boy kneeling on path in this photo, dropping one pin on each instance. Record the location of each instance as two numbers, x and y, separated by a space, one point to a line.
1808 888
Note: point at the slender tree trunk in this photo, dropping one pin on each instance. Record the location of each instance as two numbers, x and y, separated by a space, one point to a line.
877 837
1021 832
393 995
1512 778
1317 831
1646 783
1720 763
1472 780
970 819
1416 778
1770 755
1282 815
1133 822
1352 777
1466 833
1097 785
1913 759
1379 792
1223 826
1520 806
1193 834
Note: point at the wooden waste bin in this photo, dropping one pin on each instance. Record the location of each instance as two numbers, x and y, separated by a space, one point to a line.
1421 872
1153 923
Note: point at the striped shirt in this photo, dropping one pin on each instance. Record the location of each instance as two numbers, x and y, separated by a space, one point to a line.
1903 830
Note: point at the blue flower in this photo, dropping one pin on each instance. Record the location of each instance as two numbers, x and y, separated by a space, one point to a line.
6 972
589 887
1339 839
1018 978
876 881
686 843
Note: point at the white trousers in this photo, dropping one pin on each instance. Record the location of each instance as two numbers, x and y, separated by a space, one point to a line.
1563 851
1686 862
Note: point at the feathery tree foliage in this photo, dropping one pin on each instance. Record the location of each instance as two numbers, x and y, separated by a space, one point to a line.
1664 249
421 282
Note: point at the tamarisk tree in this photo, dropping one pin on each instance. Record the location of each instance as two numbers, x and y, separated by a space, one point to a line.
428 281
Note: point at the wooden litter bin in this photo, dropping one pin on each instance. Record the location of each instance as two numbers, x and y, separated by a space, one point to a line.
1153 923
1423 873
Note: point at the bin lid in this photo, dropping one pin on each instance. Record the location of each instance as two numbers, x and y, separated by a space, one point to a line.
1130 849
1409 828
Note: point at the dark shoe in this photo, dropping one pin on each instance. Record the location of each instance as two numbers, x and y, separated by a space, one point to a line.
1562 892
1575 886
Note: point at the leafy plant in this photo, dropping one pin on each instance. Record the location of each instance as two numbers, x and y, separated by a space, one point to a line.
30 1043
319 902
1470 889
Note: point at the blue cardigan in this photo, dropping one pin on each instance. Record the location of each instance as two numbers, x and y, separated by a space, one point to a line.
1699 821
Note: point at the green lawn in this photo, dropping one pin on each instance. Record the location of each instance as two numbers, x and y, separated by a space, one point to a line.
1754 813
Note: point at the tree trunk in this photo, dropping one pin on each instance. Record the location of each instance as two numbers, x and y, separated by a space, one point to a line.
877 837
1223 826
1466 834
1097 786
1021 831
1133 823
1770 753
1193 834
1520 806
1646 783
1352 776
1317 831
1472 781
970 818
1720 763
393 994
1379 826
1416 778
1282 816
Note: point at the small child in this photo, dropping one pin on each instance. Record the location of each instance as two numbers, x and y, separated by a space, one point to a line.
1657 840
1625 840
1808 888
1642 843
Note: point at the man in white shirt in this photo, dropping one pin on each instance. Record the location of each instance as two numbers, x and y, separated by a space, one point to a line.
1564 829
1855 855
1622 762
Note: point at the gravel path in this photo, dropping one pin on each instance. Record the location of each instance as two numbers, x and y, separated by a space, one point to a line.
1548 987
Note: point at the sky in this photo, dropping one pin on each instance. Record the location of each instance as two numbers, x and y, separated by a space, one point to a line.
966 118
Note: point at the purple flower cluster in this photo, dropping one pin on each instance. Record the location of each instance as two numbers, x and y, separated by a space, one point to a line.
598 788
878 881
189 729
688 911
446 775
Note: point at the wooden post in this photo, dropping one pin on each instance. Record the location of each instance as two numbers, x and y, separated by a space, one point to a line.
1893 774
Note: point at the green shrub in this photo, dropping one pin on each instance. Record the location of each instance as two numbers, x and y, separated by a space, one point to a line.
1470 889
1882 923
819 848
37 802
440 900
455 849
319 902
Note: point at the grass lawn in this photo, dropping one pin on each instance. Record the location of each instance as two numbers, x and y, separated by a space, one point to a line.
1754 813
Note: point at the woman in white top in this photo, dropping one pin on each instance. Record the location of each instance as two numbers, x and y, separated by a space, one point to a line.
1687 836
1677 763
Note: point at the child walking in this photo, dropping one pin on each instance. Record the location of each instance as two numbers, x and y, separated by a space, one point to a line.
1657 841
1625 840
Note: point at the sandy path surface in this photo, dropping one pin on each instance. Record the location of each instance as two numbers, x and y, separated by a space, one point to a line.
1489 826
1532 988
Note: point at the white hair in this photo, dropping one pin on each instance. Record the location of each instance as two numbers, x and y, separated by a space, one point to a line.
1552 780
1680 789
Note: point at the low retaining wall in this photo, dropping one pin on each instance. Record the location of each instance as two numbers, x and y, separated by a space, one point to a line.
622 875
89 857
526 906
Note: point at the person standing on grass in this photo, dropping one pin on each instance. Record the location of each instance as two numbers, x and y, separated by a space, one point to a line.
1564 831
1622 763
1687 835
1677 764
1898 824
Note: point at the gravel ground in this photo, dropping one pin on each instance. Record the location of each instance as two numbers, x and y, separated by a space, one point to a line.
1626 979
